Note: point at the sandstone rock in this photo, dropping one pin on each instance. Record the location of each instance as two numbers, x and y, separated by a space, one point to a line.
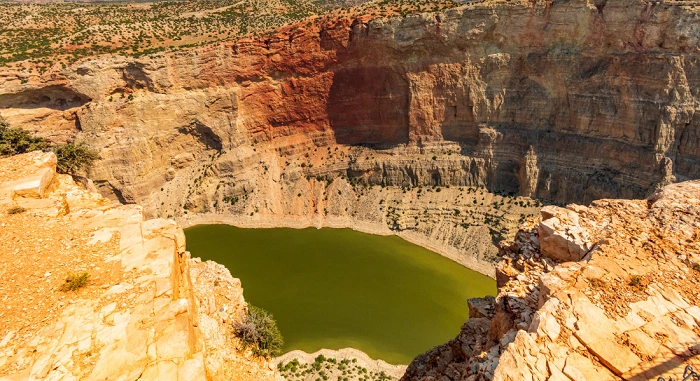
481 307
579 368
182 160
36 177
596 319
561 237
146 326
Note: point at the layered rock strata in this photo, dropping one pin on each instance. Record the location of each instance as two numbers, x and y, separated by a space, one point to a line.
605 292
148 312
534 97
563 101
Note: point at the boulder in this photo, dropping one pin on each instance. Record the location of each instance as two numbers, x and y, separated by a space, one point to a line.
560 235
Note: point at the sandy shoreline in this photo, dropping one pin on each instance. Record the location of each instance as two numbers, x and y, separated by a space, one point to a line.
301 222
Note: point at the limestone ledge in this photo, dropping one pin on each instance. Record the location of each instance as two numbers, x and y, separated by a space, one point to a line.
605 292
154 324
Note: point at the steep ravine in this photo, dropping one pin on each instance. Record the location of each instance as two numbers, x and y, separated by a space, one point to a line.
561 101
411 126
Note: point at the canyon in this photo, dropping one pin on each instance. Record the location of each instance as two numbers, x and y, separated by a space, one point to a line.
620 303
561 102
450 129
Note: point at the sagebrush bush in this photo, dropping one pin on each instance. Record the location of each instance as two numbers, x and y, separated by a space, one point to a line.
14 141
73 158
258 331
16 210
75 281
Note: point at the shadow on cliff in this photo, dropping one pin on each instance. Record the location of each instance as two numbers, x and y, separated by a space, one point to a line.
55 97
369 105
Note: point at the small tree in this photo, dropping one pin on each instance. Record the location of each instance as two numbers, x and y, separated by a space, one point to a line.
259 331
75 158
14 141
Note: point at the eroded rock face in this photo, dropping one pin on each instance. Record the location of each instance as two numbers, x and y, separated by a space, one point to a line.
628 310
561 237
563 101
147 312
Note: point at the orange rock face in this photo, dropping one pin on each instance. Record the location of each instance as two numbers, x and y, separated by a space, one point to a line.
594 101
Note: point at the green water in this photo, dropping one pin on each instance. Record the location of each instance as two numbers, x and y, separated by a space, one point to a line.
337 288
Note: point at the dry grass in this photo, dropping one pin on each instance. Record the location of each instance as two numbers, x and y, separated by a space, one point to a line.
16 210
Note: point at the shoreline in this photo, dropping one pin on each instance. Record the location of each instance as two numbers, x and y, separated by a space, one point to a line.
363 359
318 222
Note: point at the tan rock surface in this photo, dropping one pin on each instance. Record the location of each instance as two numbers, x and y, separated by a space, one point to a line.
563 101
627 310
139 317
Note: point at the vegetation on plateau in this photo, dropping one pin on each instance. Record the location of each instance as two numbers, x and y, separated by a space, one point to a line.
74 158
258 332
36 38
16 210
324 368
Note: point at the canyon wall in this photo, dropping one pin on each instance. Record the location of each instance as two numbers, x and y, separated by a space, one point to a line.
146 312
563 101
605 292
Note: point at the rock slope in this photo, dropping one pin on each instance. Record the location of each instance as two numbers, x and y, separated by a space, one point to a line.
567 101
535 97
148 312
605 292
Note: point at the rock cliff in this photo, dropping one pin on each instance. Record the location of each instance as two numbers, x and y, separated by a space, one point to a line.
148 311
605 292
566 101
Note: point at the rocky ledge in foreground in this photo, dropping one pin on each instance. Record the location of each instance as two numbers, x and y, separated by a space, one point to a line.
147 312
605 292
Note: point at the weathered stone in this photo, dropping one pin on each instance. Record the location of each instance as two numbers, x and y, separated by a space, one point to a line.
150 329
481 307
563 240
579 368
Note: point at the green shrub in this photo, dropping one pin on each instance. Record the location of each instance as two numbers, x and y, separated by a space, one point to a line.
259 332
597 282
75 158
14 141
75 281
635 281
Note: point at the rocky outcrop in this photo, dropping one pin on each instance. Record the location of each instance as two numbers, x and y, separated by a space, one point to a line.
614 297
148 311
538 97
562 101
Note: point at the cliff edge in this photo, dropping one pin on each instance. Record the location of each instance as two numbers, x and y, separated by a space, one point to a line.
605 292
148 311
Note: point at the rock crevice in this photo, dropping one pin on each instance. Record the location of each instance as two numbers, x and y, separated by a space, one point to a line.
148 311
608 292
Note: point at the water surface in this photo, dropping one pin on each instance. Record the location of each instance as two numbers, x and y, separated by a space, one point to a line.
337 288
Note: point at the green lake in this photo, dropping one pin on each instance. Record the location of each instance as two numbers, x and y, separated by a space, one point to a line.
338 288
